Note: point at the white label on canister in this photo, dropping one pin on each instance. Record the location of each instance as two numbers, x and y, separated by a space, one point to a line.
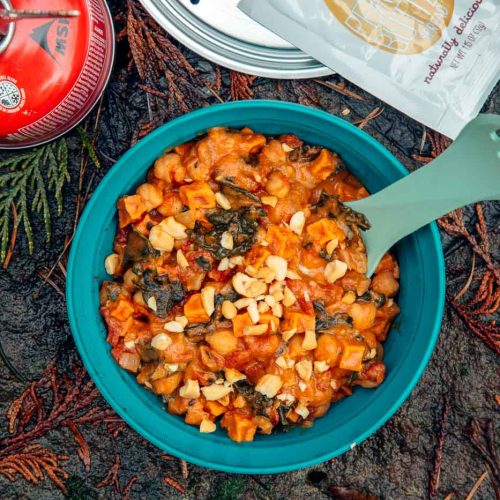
12 97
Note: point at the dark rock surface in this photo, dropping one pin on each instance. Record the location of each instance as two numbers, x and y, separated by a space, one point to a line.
396 462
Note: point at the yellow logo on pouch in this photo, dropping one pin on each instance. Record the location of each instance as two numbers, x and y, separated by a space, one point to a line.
397 26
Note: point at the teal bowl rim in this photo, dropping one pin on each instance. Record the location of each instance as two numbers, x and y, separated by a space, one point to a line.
109 394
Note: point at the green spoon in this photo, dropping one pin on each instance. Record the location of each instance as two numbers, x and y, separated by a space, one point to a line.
467 172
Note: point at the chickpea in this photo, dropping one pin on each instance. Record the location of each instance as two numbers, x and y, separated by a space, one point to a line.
372 375
277 185
295 349
363 315
151 195
199 166
320 410
171 205
328 349
222 341
385 283
355 281
170 168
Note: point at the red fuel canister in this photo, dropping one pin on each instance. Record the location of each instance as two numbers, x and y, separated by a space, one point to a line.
52 70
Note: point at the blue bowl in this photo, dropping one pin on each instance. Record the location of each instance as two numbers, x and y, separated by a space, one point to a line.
407 349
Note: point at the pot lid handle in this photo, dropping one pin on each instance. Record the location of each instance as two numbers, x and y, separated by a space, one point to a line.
6 39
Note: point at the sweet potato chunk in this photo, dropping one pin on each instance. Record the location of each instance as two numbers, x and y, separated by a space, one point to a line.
167 385
239 427
194 310
298 321
122 310
324 230
130 209
282 241
257 256
240 321
215 408
196 414
323 165
197 195
352 355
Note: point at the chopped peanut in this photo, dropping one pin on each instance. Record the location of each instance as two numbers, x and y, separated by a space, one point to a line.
304 369
208 299
222 200
335 270
215 391
190 390
111 263
269 385
207 426
229 311
161 341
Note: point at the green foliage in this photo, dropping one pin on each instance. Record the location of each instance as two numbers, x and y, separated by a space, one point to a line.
89 147
230 489
25 180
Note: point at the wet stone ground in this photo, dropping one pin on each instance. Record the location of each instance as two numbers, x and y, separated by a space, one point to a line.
395 463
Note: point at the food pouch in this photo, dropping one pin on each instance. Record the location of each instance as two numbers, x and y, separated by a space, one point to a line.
435 60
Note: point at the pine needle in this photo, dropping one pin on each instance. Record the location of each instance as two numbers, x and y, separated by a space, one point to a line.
469 280
472 492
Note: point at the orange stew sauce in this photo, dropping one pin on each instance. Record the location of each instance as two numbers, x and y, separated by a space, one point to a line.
238 291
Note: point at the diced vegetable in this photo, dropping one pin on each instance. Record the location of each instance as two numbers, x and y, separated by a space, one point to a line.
282 241
197 195
215 408
167 385
239 427
240 321
130 361
352 355
130 209
194 310
122 310
298 321
324 230
323 165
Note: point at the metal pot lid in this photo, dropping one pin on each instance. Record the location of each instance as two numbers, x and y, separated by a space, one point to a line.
220 32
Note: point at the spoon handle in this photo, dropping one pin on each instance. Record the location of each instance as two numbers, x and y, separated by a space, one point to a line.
467 172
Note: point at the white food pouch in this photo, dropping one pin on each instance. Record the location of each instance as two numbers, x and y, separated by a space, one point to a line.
435 60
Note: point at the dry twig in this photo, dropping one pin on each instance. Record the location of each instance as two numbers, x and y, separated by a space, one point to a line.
54 401
341 88
473 490
173 483
438 456
240 87
482 438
